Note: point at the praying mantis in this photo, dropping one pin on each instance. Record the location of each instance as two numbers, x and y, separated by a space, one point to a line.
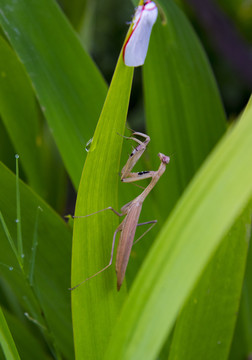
131 210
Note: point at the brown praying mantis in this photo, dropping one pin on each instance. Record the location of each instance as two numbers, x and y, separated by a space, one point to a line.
131 210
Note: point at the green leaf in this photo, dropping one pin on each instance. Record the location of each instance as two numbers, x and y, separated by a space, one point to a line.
92 237
214 199
16 104
69 87
184 114
48 302
183 109
6 339
26 338
205 327
242 342
30 136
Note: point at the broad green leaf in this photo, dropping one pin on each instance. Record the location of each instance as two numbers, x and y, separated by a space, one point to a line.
211 311
6 339
30 136
205 327
96 303
49 296
69 87
20 116
213 200
184 113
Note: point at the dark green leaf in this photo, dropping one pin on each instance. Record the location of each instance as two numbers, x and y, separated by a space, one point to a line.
69 87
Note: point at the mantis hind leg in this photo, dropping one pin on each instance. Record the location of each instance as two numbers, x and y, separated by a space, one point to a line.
106 267
153 222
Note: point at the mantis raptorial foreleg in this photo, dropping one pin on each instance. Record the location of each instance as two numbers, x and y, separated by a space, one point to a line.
126 174
131 210
135 155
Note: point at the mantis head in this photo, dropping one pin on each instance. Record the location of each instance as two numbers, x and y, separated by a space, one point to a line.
164 159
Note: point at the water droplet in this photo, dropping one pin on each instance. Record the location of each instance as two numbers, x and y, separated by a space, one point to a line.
10 268
16 156
22 256
88 145
17 220
16 31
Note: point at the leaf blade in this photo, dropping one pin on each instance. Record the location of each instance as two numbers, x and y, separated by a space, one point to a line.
7 341
211 311
98 190
184 112
168 269
69 88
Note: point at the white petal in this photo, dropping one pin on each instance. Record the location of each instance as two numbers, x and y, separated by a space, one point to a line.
136 47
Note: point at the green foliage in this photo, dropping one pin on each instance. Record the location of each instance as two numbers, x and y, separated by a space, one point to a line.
7 342
189 279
